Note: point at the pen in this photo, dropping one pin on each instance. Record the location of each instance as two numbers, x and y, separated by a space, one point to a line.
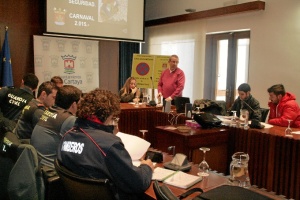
169 176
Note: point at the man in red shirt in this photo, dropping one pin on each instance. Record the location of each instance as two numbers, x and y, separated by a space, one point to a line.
171 82
283 107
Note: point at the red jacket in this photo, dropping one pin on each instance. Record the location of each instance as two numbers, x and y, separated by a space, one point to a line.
286 109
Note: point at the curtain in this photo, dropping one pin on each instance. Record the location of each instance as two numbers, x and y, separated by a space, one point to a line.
127 49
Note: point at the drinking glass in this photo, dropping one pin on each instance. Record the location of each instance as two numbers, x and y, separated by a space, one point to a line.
143 133
288 130
244 117
233 119
145 98
203 166
136 101
197 110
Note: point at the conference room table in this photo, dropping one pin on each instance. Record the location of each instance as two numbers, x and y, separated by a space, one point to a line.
274 158
210 182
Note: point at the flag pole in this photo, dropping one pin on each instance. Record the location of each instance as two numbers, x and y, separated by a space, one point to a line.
6 78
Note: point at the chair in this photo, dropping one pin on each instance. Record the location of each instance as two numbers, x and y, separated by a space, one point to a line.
162 192
20 175
80 188
264 114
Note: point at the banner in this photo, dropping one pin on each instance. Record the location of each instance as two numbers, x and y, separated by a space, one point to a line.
5 67
147 69
75 61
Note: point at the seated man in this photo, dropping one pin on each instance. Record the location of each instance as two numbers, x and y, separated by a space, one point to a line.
92 150
283 107
54 122
57 80
34 110
246 101
13 100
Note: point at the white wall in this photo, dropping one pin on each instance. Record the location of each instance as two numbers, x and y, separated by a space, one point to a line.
274 47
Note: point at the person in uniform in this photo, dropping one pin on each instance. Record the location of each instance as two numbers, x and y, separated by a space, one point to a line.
92 150
54 122
34 110
13 100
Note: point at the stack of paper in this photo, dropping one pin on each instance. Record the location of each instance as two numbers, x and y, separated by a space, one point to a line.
176 178
135 146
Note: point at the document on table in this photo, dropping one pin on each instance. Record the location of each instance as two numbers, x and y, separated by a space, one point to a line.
176 178
135 146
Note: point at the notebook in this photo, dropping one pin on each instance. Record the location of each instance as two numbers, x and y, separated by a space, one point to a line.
176 178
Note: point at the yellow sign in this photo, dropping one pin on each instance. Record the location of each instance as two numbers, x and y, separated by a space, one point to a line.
147 69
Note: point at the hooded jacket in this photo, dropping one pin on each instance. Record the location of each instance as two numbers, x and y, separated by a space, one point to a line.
287 108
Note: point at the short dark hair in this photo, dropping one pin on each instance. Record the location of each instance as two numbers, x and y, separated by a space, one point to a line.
66 95
56 80
46 86
245 87
31 80
277 89
101 103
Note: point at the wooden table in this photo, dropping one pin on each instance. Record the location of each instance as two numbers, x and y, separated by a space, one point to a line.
189 143
212 181
274 159
133 119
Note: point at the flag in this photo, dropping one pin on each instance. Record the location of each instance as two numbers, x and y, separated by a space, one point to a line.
6 78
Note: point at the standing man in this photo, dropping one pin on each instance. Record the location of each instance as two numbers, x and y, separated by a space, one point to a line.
283 107
13 100
171 81
246 101
35 108
54 122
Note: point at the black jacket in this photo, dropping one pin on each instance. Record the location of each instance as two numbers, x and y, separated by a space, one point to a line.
108 159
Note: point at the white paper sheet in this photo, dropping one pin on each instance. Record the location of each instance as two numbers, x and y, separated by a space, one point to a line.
135 146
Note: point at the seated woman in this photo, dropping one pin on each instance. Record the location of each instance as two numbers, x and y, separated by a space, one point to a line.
129 91
91 149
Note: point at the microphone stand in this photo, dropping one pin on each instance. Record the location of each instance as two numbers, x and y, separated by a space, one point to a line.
152 102
244 102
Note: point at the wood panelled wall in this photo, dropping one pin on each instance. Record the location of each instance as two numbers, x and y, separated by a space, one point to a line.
26 18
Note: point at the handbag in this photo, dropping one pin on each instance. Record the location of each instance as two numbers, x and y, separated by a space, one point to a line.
207 120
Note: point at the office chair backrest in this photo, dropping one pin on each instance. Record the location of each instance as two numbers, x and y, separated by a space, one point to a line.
20 175
163 192
81 188
264 114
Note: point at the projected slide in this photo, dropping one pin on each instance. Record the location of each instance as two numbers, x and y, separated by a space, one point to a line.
123 19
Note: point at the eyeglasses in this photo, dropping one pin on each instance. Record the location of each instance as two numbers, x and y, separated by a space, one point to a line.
114 121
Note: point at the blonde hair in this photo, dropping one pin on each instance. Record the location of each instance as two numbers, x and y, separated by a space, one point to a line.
126 86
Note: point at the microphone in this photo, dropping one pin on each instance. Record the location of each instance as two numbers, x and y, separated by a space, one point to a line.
152 102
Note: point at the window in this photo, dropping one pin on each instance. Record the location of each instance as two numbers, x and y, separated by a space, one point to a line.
226 65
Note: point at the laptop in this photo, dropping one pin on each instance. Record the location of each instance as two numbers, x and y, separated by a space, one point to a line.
180 103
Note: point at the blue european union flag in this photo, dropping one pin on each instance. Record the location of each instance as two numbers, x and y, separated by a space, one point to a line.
6 78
